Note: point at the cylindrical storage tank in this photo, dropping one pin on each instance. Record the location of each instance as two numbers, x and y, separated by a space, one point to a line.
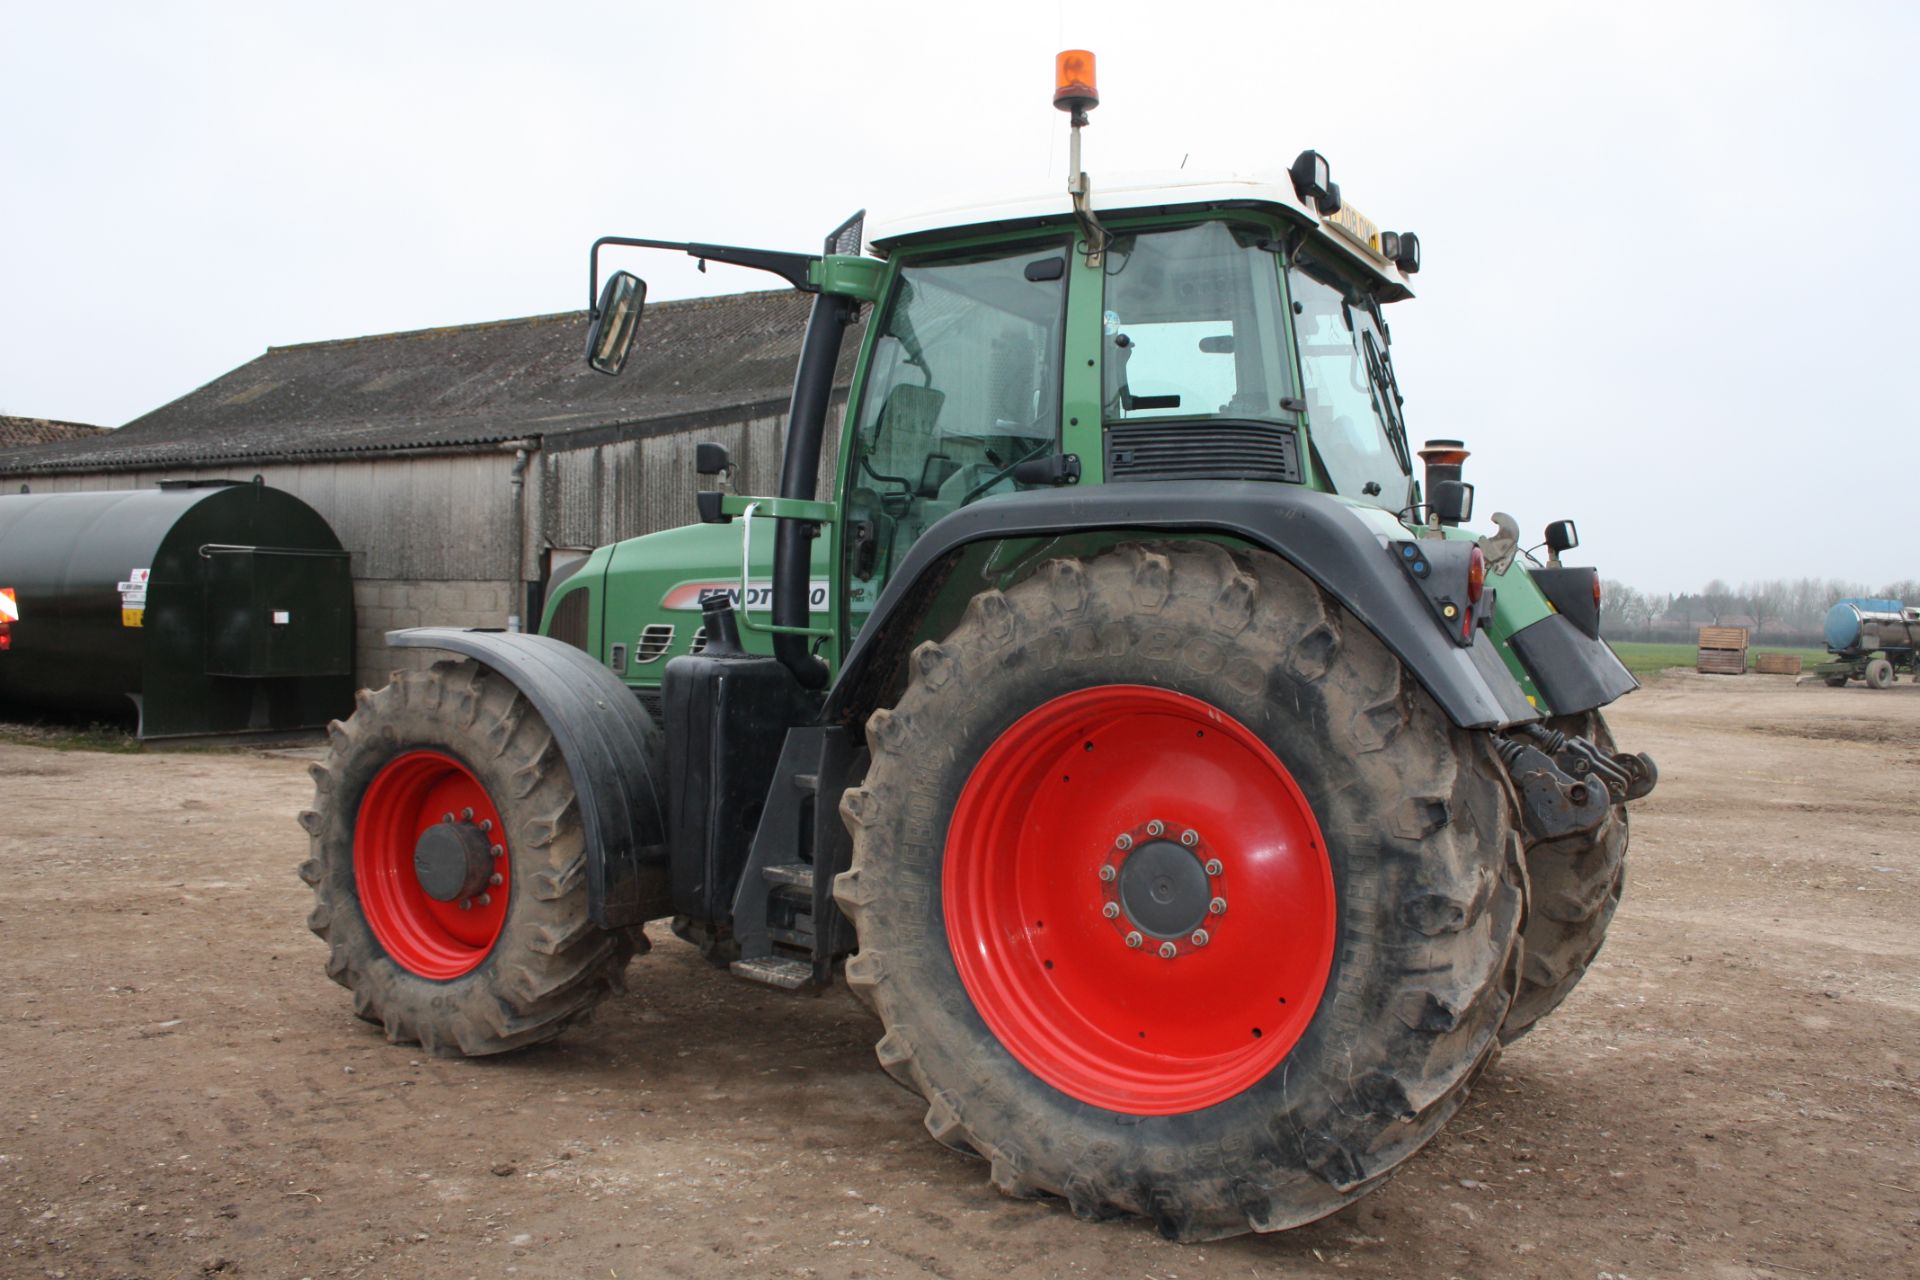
1862 626
208 607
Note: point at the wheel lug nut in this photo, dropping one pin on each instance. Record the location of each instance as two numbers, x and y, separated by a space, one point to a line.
486 824
1218 906
485 899
467 905
1134 939
1189 838
1201 938
1123 841
1107 871
1111 911
1168 951
466 815
1213 867
446 817
1155 827
498 850
496 880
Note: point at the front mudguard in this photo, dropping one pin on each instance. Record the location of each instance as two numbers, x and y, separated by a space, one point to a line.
612 751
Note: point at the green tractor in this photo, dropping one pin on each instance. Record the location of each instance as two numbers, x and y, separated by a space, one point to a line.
1196 802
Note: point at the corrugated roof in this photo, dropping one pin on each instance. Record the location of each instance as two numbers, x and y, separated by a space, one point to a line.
460 386
18 432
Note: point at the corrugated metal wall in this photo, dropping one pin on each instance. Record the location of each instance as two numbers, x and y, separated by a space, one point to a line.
449 518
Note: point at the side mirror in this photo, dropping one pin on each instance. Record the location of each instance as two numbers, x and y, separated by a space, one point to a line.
615 321
710 459
1562 536
1452 501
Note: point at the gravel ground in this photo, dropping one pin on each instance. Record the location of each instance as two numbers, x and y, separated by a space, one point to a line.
1734 1092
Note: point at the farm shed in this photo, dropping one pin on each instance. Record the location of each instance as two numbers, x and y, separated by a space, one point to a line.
460 466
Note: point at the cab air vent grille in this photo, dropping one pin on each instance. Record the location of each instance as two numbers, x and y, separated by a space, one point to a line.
1203 451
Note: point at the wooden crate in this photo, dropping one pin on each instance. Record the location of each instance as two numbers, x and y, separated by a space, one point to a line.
1723 662
1777 664
1723 651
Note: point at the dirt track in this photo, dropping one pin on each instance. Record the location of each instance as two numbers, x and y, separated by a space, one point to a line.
1734 1092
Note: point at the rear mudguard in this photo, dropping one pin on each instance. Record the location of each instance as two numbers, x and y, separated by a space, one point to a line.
612 752
1323 537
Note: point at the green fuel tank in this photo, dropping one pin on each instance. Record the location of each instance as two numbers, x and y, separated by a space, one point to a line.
204 607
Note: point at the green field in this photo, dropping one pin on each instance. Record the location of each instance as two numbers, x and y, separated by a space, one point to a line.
1644 659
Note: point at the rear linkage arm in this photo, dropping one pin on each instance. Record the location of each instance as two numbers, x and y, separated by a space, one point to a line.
1567 783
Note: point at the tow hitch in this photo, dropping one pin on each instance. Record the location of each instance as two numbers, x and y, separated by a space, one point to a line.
1567 783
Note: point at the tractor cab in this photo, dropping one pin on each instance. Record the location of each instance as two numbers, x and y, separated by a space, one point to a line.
1229 331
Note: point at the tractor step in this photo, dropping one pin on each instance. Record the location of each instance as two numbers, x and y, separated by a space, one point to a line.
797 874
775 971
784 918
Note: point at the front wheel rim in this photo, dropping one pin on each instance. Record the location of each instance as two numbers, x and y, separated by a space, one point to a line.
1139 900
434 939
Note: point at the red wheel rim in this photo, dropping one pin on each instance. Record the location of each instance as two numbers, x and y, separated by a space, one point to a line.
1047 961
411 792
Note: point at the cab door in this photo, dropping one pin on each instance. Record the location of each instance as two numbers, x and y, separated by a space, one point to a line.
962 385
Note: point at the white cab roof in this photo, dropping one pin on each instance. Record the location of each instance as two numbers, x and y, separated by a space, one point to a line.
1144 193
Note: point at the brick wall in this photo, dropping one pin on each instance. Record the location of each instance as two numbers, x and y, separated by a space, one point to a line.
384 604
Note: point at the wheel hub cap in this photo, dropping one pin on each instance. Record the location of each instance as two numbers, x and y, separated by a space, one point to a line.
1163 890
451 860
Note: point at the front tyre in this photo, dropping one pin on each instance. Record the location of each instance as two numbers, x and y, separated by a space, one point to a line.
448 868
1177 896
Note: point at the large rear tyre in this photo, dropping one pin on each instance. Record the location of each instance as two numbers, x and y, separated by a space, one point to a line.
448 868
1573 889
1177 896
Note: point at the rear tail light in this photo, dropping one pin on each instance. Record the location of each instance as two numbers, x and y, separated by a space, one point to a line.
1596 588
1477 577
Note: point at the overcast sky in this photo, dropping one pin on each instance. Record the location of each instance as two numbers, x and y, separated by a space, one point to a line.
1668 247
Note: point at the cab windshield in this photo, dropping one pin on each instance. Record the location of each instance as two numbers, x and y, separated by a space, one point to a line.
1194 326
1353 406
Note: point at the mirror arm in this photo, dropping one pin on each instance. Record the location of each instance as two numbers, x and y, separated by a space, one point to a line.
795 268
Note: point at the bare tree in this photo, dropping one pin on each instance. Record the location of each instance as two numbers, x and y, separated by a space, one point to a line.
1719 600
1907 591
1622 609
1766 601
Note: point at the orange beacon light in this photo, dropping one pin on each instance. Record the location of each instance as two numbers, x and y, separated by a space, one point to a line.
1074 86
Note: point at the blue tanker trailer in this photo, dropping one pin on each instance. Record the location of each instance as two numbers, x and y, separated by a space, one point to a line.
1871 640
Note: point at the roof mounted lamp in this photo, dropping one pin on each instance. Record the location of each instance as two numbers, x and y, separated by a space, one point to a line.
1402 248
1076 91
1313 182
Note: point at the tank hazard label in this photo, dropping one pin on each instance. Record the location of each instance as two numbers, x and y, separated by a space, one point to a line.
9 614
692 595
133 598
